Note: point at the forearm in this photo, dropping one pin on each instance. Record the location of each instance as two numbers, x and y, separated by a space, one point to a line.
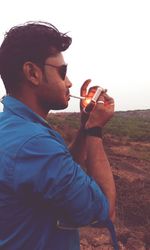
78 147
99 168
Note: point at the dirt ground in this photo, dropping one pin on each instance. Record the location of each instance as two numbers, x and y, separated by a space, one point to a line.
130 162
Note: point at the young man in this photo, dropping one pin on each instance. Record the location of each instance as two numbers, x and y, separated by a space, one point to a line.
44 193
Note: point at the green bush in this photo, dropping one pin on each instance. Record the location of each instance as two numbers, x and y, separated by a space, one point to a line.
134 125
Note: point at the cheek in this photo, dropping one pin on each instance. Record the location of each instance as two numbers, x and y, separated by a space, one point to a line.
53 90
56 94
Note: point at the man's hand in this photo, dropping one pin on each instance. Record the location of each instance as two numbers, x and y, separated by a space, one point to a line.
87 94
101 113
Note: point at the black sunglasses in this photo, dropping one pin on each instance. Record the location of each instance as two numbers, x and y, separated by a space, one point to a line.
62 70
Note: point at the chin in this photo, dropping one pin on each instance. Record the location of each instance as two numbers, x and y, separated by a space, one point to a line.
60 106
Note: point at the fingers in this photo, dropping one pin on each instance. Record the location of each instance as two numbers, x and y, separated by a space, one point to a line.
105 100
102 111
83 90
109 102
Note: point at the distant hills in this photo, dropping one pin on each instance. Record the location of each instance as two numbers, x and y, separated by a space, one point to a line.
135 124
135 113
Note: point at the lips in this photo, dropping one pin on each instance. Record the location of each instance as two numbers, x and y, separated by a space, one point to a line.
68 97
68 94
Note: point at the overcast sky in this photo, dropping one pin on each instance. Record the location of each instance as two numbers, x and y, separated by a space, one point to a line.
111 43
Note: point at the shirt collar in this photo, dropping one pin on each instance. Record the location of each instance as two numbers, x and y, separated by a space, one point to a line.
15 106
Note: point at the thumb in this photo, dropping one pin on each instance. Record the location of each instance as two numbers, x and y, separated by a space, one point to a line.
83 91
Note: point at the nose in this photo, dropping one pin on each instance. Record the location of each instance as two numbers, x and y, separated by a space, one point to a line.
68 82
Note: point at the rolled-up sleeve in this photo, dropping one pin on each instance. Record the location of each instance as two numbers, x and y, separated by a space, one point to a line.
45 167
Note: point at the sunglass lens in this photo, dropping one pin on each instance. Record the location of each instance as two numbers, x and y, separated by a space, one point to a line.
63 71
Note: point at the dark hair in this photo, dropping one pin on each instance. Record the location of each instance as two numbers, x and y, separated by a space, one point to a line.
32 41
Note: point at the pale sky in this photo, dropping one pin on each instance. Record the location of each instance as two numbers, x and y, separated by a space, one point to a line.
111 43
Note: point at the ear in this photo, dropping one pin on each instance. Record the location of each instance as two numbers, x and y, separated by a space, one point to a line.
32 72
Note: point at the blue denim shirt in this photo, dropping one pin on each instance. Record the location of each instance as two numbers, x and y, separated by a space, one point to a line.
44 195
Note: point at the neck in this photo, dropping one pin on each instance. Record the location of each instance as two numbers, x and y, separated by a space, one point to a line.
32 103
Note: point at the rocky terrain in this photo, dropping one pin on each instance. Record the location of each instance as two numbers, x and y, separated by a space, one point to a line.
132 177
127 143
